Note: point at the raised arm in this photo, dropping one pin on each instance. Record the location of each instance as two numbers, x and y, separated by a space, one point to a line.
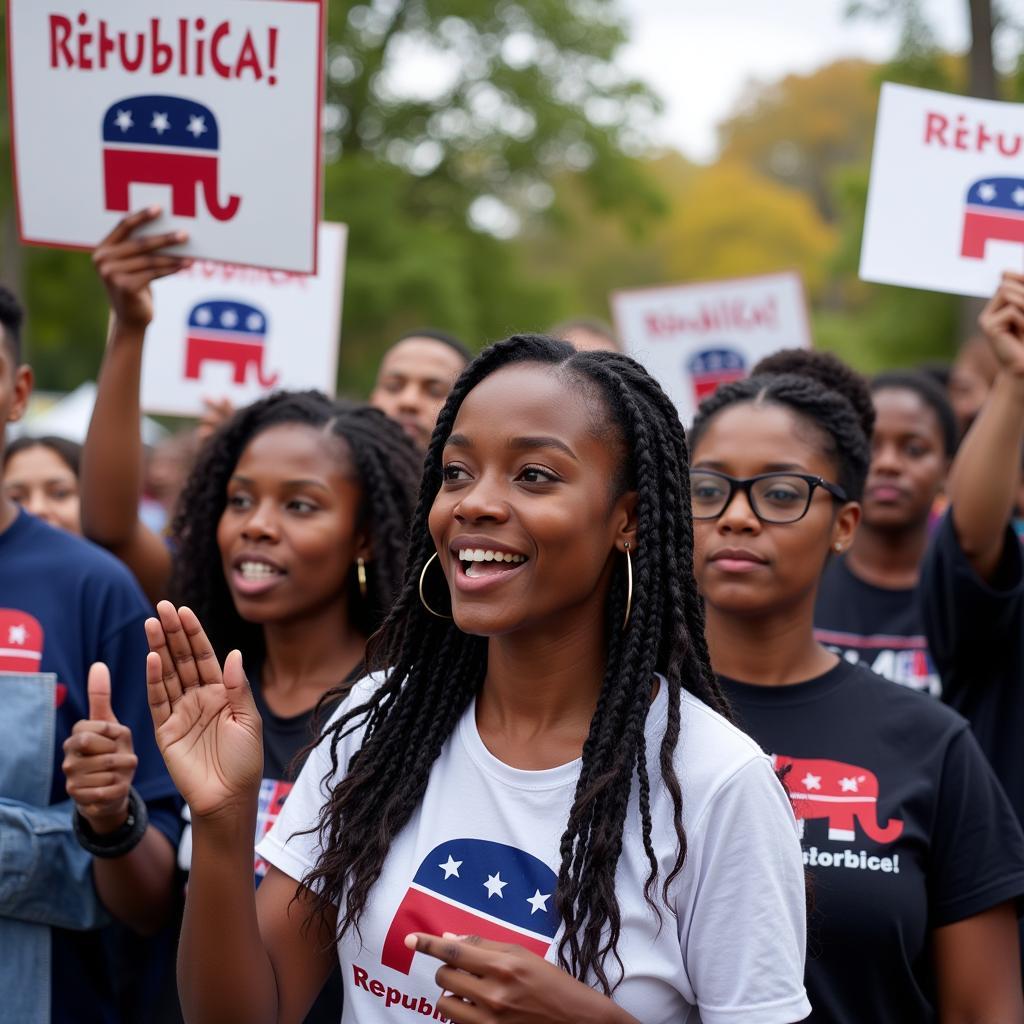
984 480
111 476
243 957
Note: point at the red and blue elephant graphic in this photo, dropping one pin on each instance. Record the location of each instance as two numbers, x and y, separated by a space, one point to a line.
841 794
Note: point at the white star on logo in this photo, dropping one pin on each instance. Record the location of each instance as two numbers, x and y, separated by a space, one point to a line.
197 125
848 785
451 868
538 902
17 635
124 120
1018 196
229 318
811 781
494 885
254 321
986 192
160 123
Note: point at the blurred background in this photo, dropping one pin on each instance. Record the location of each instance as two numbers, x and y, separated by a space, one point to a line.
506 164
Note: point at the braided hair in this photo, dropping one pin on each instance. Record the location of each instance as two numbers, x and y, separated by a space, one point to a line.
434 671
820 389
388 469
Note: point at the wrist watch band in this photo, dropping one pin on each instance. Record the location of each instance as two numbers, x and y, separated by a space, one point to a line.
123 839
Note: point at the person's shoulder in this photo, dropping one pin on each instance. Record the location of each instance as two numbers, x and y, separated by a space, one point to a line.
878 696
711 749
77 563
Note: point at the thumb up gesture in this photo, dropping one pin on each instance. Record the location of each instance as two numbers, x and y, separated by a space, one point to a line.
99 760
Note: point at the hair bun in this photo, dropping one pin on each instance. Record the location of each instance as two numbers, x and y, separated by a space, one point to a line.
829 371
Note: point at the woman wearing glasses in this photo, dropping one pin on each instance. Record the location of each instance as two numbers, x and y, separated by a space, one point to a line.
869 607
914 853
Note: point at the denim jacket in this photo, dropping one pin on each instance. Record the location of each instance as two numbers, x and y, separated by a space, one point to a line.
45 876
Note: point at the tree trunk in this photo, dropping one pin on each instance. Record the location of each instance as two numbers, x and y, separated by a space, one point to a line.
981 82
981 67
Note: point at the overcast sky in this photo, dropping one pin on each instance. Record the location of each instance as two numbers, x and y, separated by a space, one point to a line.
698 54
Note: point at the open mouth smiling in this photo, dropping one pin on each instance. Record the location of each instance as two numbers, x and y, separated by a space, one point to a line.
477 562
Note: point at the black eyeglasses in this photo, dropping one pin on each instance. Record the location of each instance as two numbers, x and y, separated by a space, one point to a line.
773 497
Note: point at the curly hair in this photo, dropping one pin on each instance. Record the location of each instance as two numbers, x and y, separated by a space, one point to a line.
433 672
824 392
388 469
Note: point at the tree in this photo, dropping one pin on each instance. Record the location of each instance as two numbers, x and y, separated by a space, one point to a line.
445 122
801 129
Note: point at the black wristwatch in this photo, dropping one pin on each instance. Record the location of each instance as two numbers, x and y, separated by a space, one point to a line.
123 839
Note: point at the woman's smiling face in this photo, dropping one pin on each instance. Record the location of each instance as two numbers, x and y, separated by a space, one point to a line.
528 519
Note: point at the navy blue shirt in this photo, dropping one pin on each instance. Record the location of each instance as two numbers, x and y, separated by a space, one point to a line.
65 603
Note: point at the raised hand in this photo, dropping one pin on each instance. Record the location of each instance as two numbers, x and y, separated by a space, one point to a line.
1002 320
99 760
128 265
207 726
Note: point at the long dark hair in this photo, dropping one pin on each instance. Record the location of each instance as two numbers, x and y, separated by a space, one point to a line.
434 671
388 469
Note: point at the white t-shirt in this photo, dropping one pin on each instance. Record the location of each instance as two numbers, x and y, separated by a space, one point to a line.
480 856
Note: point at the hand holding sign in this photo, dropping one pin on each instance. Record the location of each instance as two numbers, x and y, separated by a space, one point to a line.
128 265
495 981
99 759
1002 320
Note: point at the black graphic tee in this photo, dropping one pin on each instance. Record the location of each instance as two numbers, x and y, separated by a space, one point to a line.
905 829
878 627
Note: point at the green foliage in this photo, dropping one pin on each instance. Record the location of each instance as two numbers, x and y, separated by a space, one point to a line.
430 173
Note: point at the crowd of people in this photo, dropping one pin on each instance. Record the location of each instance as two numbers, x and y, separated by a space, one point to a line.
502 698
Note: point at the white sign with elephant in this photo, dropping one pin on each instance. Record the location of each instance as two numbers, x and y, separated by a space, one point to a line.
208 108
223 331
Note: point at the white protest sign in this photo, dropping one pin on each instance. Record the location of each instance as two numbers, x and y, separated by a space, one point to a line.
223 331
946 202
694 337
208 108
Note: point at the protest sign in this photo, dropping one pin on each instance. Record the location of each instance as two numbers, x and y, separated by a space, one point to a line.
223 331
694 337
208 108
946 202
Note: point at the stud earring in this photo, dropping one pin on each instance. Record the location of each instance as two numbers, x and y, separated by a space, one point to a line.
423 600
838 549
361 577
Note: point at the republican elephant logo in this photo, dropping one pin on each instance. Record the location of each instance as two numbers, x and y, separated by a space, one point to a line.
225 331
995 209
840 793
710 368
164 140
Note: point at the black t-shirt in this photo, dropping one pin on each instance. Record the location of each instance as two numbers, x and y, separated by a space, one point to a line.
976 632
905 829
878 627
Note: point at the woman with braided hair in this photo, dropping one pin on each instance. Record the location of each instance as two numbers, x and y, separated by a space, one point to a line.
540 789
914 855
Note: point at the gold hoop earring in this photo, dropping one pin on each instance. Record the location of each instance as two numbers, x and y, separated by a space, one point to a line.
361 577
629 588
423 600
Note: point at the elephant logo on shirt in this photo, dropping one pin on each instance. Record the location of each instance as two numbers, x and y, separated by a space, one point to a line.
840 793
